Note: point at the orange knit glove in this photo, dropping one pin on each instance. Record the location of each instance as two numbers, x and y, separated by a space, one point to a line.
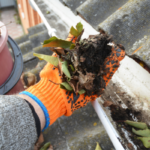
56 102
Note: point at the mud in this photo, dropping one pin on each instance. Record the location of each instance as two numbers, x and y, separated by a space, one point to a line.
119 115
88 59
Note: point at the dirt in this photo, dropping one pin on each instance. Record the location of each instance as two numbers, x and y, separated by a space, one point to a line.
119 115
88 59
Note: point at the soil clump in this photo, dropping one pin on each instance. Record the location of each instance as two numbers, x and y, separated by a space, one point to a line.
88 58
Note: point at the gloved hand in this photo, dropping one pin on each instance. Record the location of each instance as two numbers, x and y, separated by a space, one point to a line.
56 102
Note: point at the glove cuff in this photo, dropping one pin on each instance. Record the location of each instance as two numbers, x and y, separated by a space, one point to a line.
51 97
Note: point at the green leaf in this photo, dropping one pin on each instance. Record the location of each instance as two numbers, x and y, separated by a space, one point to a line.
82 91
53 38
98 146
48 12
68 79
74 32
145 133
145 141
64 68
72 46
140 125
52 60
57 43
72 68
46 146
66 86
79 27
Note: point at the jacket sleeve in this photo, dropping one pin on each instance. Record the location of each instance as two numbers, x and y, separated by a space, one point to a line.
17 124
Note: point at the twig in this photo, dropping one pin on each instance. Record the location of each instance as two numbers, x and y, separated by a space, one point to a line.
54 82
79 37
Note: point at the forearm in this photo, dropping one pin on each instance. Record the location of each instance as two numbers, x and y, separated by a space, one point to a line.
17 124
37 109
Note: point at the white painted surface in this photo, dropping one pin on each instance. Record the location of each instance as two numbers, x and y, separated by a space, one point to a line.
22 14
108 126
19 5
136 78
6 3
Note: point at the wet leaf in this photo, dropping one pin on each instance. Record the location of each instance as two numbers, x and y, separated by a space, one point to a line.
145 141
82 91
77 87
130 146
98 146
72 46
68 79
53 38
74 32
107 103
29 79
75 60
46 146
145 133
50 148
66 86
65 69
55 42
59 50
139 125
72 68
52 60
79 27
60 68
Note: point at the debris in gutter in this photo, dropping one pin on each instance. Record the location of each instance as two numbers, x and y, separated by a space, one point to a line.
81 62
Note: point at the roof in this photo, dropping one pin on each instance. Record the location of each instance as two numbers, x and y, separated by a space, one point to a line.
127 20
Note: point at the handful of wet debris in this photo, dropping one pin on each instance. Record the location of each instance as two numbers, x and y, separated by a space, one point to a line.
80 62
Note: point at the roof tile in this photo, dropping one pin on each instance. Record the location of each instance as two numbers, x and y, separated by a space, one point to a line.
73 4
95 11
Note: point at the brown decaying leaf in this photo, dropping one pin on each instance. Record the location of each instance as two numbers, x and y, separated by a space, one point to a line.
73 84
60 68
50 148
107 103
39 142
82 59
79 37
86 80
130 146
77 87
75 60
59 50
28 79
75 78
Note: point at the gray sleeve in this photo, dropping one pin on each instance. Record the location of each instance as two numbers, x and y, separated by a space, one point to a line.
17 125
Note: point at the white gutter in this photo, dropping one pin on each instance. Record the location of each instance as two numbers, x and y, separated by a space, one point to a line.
51 31
108 126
